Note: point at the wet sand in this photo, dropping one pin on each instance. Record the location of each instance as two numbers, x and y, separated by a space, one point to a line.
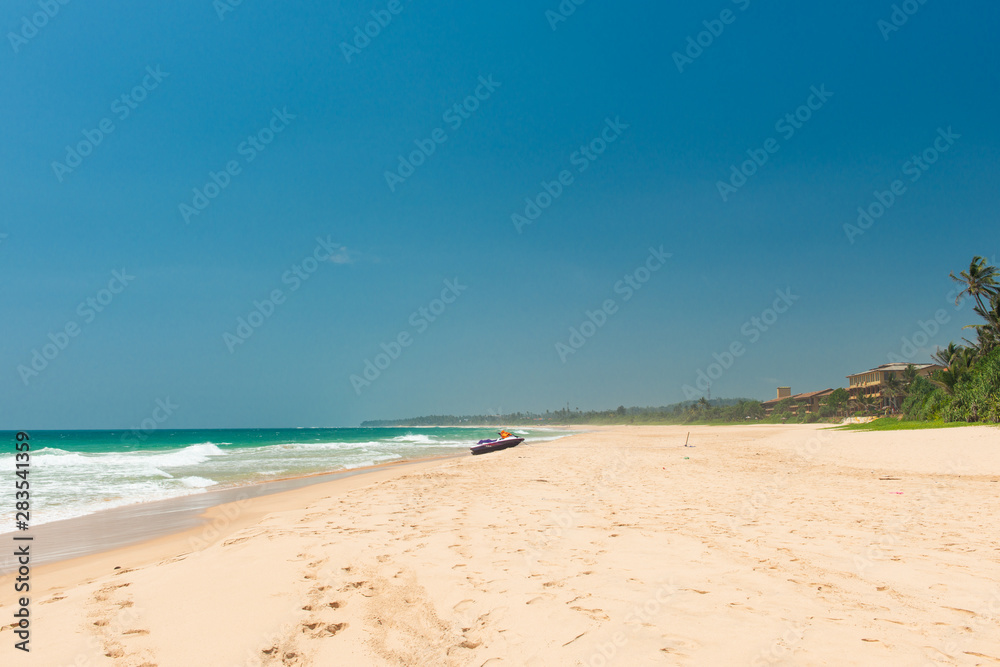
140 522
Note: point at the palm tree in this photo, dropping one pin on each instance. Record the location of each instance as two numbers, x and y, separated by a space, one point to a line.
961 362
988 332
979 281
839 401
892 389
987 338
863 403
944 356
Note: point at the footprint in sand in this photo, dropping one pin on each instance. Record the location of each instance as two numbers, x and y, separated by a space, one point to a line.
320 629
332 629
463 605
596 614
679 646
545 597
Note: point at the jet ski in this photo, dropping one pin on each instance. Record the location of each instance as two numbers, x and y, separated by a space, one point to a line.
485 446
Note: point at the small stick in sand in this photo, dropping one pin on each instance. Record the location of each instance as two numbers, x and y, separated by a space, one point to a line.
687 438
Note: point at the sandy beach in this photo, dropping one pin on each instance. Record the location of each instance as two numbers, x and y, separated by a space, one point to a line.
758 545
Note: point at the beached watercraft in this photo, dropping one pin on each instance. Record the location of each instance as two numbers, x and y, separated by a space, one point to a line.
484 446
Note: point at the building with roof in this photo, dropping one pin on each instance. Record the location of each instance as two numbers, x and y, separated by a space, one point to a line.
810 400
872 383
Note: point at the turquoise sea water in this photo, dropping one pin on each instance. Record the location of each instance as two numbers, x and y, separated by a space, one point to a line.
74 473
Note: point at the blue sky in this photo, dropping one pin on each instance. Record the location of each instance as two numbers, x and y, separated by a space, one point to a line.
323 125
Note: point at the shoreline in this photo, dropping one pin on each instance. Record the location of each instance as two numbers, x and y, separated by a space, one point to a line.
147 521
205 528
143 520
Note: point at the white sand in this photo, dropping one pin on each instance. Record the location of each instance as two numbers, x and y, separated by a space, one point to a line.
767 545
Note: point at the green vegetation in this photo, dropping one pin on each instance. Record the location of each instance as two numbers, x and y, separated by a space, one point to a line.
702 411
893 424
968 389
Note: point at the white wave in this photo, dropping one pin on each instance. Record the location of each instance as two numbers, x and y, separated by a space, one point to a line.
548 437
418 438
370 462
190 455
151 462
306 446
49 450
195 482
101 496
61 460
446 443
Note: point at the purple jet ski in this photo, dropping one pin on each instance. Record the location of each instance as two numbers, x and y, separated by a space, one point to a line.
484 446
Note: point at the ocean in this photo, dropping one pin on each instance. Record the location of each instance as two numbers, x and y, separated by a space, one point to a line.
75 473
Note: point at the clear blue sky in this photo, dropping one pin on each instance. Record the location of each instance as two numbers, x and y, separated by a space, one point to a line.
197 86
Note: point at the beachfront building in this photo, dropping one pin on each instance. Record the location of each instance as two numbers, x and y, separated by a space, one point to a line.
871 384
810 400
